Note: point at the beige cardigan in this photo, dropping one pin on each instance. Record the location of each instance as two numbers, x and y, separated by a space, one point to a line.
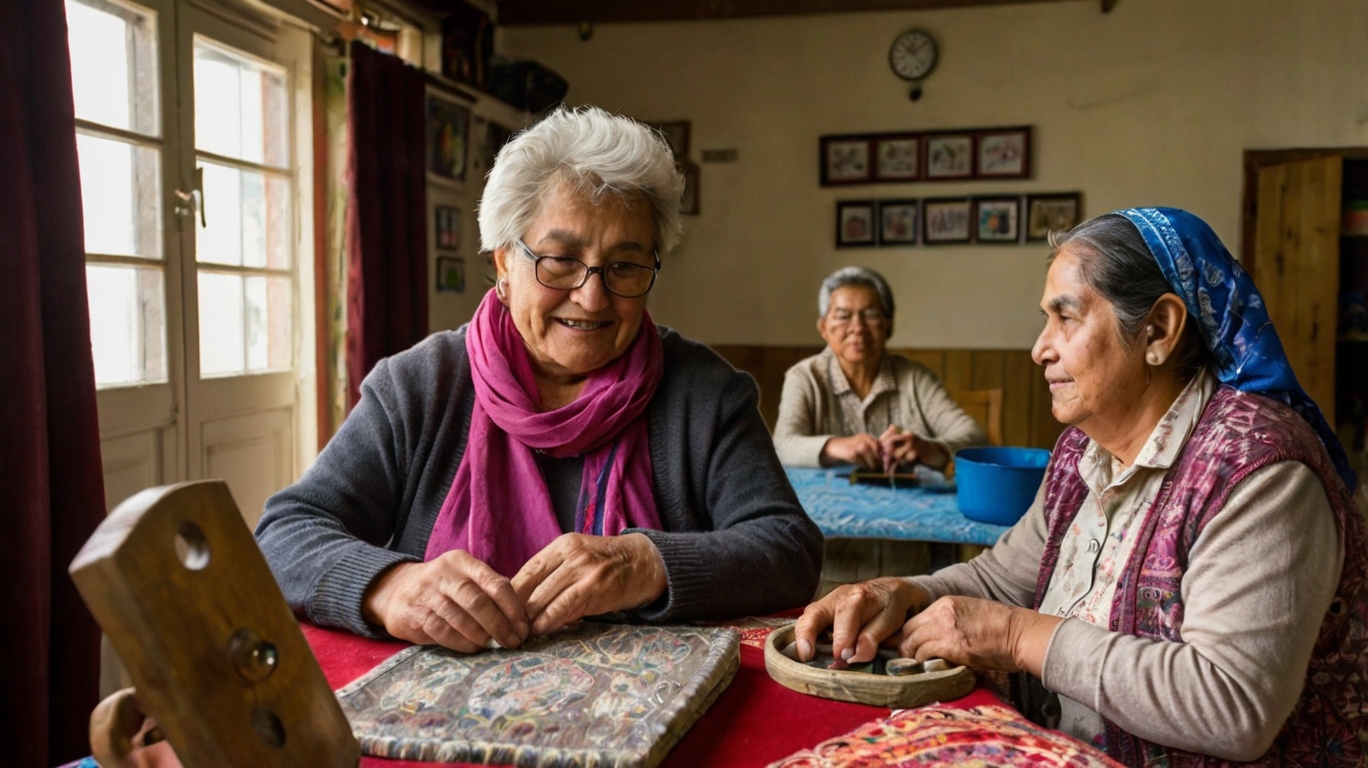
818 404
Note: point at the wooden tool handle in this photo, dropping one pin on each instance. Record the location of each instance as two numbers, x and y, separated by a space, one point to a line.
177 582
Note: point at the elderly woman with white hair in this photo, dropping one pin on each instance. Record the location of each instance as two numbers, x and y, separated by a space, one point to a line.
835 402
561 455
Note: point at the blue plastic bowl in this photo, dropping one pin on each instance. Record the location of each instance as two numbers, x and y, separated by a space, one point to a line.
997 485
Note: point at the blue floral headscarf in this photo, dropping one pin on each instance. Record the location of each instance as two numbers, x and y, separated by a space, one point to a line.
1231 316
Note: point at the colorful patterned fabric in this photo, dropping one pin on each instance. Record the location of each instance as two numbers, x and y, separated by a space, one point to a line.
1097 545
1231 316
982 737
1238 434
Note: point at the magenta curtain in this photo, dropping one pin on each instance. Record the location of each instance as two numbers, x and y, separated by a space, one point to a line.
50 477
387 274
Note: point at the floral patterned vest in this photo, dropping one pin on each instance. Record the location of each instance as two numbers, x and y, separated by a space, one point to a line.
1237 434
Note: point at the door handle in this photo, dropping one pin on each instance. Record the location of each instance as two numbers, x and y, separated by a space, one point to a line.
194 199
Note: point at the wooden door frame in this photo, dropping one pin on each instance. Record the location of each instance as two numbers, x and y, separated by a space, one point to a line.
1256 159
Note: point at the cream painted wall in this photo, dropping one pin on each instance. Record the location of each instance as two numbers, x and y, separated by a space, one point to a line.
1153 103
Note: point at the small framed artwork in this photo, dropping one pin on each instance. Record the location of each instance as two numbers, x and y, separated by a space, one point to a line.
897 158
898 222
1052 213
448 127
688 204
676 133
450 274
950 156
855 224
1004 154
448 227
945 220
845 160
997 219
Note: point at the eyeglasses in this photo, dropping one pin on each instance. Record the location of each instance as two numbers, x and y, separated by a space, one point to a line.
871 317
565 273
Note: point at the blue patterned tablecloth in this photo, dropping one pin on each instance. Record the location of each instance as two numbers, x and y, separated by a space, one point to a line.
925 513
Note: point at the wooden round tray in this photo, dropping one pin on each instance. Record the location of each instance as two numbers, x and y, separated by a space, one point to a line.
896 692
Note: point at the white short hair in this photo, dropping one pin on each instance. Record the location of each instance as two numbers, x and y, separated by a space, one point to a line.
595 152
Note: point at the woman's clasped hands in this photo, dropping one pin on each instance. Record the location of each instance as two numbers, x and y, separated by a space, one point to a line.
894 448
894 612
459 602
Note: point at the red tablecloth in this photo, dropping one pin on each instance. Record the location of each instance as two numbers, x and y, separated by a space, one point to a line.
754 722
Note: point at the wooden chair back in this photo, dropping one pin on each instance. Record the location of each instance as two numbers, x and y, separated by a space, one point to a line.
985 406
188 602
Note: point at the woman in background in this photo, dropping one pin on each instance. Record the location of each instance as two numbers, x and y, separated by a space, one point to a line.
835 403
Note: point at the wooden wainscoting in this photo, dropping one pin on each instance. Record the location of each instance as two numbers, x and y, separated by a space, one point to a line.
1026 418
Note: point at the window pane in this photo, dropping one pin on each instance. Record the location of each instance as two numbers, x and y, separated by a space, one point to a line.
113 64
121 195
126 324
248 216
269 301
241 107
220 324
221 241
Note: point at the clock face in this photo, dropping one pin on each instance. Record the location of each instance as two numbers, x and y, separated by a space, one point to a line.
913 55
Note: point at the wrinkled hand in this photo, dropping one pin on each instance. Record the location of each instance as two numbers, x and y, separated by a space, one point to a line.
901 448
121 736
861 616
578 575
979 633
454 601
862 449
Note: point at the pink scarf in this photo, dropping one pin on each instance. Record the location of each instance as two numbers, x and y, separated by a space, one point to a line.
498 508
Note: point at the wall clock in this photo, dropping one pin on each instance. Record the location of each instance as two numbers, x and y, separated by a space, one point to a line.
913 56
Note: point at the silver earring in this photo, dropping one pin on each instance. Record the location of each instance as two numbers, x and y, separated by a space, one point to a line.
501 289
1152 358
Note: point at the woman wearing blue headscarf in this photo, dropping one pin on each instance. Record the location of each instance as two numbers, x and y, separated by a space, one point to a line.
1190 586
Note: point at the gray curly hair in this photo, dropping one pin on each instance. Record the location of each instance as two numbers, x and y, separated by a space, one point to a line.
860 276
598 154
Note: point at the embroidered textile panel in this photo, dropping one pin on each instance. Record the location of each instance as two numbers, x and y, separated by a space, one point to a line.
592 695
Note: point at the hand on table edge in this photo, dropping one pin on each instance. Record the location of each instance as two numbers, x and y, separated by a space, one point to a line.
861 617
862 450
980 633
453 600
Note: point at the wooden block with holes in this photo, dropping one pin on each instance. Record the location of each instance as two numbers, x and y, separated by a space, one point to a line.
181 589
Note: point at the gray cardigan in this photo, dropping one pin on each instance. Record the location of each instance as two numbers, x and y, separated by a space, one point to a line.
735 540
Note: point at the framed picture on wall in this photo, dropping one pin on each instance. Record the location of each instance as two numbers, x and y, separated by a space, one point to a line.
450 274
1004 154
1052 213
898 222
855 224
447 227
946 220
845 160
950 156
448 133
897 158
997 219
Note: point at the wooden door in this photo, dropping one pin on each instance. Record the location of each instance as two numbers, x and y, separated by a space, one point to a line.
243 80
1296 266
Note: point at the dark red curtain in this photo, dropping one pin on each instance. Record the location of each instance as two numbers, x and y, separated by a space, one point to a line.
50 477
387 274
